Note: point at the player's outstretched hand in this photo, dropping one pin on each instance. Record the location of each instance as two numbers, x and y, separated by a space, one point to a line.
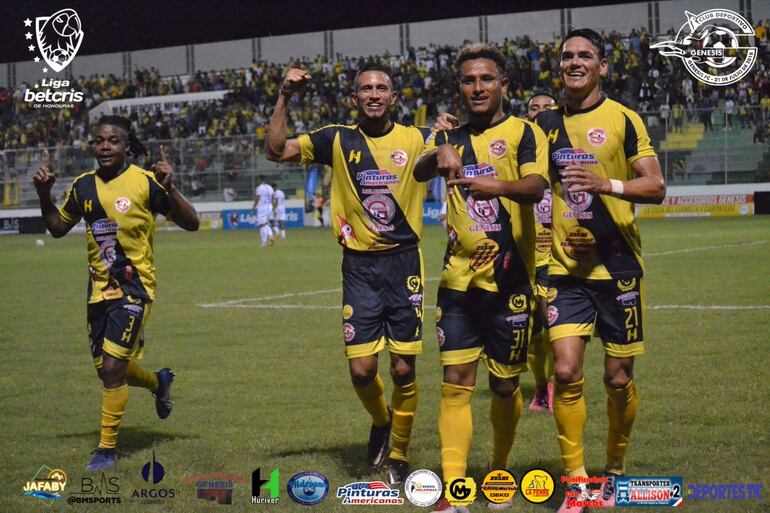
44 178
163 170
446 121
449 164
579 179
479 187
294 81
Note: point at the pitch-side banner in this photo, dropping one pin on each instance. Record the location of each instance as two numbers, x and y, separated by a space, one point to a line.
707 205
243 219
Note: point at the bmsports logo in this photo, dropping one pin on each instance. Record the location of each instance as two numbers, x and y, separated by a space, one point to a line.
714 45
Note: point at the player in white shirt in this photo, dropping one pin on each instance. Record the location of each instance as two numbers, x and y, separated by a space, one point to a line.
279 213
263 203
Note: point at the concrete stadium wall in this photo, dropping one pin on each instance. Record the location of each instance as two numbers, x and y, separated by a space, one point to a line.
284 48
539 25
104 64
621 18
170 61
444 32
362 42
224 55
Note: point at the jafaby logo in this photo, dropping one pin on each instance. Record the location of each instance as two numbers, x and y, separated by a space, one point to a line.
58 39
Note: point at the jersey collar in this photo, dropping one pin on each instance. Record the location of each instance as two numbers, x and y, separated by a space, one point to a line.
588 109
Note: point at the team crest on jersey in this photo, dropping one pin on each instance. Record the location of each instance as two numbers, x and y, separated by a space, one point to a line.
578 203
498 148
399 157
122 204
380 211
483 212
482 169
597 136
543 209
376 178
348 331
566 156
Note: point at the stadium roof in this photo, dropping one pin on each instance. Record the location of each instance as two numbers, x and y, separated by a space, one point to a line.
118 26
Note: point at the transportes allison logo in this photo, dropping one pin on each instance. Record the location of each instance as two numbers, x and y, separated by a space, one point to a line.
374 492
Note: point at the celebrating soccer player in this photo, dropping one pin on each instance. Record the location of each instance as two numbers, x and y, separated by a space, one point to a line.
119 202
376 214
601 163
540 356
496 167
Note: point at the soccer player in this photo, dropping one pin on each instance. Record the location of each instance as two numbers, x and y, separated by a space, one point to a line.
118 201
263 204
376 215
540 356
601 163
279 213
496 167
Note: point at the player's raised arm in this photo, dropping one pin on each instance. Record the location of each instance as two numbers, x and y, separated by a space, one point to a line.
180 209
43 181
277 147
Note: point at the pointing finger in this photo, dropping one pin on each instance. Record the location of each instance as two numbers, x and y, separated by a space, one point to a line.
46 157
163 154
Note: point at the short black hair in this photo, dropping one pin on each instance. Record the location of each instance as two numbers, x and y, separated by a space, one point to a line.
135 146
372 66
473 51
594 37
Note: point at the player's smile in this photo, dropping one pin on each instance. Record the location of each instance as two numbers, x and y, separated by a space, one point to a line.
374 94
481 86
581 66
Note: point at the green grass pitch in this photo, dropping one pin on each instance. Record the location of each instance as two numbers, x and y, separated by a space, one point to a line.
263 382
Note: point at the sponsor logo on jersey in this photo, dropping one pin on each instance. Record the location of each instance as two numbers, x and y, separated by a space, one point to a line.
543 208
567 156
481 169
376 178
578 202
484 213
579 243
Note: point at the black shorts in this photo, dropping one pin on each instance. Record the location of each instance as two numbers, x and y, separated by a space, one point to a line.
614 309
382 302
116 327
487 325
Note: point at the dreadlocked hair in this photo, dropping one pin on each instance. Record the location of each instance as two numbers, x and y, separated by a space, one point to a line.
135 146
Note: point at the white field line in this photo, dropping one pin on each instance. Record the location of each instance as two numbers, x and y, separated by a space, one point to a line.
709 307
704 248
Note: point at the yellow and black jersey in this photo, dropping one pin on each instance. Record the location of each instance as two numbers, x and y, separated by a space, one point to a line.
491 243
376 204
120 222
595 236
543 230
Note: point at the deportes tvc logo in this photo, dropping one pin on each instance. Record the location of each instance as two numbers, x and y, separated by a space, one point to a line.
58 38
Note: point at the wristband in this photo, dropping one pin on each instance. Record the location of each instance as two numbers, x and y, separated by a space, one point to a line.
617 188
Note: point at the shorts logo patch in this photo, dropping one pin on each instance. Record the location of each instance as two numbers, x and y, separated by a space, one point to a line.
347 312
543 209
380 211
122 204
498 148
399 157
134 309
553 314
441 336
517 303
486 251
551 294
416 300
348 331
518 321
628 299
627 285
438 313
413 284
579 244
597 136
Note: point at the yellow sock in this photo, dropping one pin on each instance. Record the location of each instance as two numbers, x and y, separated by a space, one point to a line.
113 407
373 400
504 414
569 411
455 429
139 377
621 410
536 360
404 404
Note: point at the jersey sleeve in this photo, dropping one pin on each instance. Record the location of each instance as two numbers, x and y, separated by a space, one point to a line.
532 154
70 212
636 141
434 139
317 145
160 203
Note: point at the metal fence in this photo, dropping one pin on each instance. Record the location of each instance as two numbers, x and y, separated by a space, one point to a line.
695 147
